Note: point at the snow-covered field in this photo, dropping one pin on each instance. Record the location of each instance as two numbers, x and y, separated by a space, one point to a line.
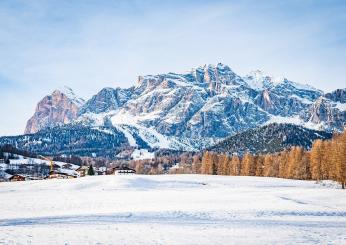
172 209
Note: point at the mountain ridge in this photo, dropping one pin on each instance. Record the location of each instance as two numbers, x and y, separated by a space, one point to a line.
201 107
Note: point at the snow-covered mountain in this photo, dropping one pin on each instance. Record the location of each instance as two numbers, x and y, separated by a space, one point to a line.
72 96
198 108
106 100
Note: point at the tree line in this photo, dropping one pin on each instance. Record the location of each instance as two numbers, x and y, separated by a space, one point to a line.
325 161
11 150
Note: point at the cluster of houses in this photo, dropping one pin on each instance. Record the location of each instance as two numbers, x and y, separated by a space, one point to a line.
24 172
118 170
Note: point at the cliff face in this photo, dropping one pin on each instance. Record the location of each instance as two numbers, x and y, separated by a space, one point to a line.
106 100
53 110
338 95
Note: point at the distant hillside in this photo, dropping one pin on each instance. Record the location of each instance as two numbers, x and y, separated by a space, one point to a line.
75 140
270 138
7 148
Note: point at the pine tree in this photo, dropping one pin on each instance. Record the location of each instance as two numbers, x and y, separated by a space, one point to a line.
305 166
91 170
302 160
214 164
326 149
223 168
206 163
209 163
294 160
196 164
283 158
139 168
220 169
333 158
298 163
316 160
290 164
248 165
259 165
341 160
276 165
235 166
268 165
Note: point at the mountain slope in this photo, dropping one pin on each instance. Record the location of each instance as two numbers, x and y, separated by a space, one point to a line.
270 138
71 139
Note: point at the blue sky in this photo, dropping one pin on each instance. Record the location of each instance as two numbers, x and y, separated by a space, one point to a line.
88 45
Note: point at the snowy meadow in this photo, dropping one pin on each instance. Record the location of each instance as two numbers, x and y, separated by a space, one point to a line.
172 209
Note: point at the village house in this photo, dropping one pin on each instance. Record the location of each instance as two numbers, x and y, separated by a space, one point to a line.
120 170
60 175
110 171
16 177
82 170
30 177
101 171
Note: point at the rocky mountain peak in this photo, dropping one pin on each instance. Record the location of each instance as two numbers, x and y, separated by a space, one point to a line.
258 80
320 111
257 74
338 95
71 95
54 109
106 100
211 73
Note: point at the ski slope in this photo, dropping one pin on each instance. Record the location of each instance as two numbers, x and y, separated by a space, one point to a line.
172 209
